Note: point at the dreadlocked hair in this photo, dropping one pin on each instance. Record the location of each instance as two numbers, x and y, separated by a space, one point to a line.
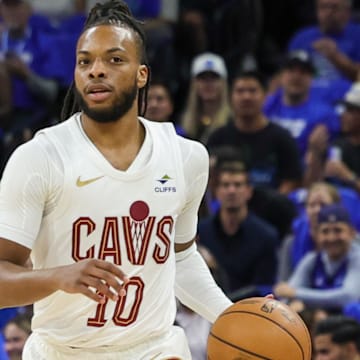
112 12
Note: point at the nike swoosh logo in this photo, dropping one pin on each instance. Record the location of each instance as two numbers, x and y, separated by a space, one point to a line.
80 183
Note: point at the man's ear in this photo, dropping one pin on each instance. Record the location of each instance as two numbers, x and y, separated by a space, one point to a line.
142 76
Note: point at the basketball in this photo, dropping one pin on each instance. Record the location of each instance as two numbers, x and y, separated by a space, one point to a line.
259 328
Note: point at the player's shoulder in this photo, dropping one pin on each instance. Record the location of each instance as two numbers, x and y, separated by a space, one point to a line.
193 151
190 150
59 129
31 156
41 148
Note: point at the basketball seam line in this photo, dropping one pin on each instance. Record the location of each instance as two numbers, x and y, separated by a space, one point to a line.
264 317
239 348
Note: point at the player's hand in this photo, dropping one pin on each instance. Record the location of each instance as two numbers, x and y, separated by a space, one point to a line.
96 279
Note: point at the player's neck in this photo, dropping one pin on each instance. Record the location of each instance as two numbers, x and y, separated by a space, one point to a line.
118 141
112 134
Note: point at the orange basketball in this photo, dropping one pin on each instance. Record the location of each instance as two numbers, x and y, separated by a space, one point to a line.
259 328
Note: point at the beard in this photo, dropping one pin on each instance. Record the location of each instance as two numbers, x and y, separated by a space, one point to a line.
120 106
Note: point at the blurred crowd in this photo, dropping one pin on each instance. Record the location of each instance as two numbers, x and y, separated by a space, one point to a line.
272 90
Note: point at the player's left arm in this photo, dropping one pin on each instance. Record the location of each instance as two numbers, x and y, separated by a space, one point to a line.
195 286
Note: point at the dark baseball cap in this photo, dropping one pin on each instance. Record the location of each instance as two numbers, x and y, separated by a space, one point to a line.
334 213
299 58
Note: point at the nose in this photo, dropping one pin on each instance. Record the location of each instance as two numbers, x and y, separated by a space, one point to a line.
231 189
247 95
97 69
152 102
331 236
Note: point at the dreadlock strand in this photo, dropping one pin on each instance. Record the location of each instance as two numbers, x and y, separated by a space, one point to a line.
68 105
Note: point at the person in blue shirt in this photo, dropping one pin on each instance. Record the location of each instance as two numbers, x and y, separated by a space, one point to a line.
3 355
329 276
301 240
343 161
309 120
333 45
29 55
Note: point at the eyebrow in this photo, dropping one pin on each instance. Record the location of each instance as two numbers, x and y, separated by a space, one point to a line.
109 51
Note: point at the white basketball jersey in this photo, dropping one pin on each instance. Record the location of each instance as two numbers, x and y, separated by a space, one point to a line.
126 219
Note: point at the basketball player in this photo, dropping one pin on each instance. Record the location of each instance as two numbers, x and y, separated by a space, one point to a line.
106 203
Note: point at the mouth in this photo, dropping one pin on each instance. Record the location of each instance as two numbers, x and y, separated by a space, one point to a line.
98 92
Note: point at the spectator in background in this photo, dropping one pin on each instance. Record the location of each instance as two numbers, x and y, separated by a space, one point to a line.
309 120
207 105
304 228
3 355
329 277
244 245
16 331
196 330
5 97
57 10
269 151
29 56
333 45
337 338
160 104
343 162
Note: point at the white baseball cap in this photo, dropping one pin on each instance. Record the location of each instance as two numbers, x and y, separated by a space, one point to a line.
352 97
208 62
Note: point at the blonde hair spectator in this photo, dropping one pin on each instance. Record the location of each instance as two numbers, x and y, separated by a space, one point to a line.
207 106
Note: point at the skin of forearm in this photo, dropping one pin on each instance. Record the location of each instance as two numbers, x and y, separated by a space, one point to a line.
21 286
345 65
314 166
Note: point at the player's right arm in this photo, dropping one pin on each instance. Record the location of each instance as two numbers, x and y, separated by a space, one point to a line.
26 193
23 286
